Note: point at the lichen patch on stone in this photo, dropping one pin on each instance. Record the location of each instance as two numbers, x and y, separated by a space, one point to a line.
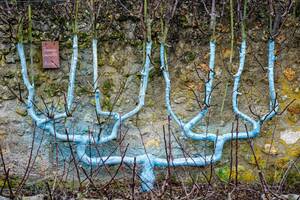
289 136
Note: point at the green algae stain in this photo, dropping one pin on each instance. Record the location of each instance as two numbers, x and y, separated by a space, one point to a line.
244 174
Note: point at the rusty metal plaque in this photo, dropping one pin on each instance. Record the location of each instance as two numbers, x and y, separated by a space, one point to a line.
50 52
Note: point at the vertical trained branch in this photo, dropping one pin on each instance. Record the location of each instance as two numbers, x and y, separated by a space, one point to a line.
213 17
30 40
30 28
93 19
147 21
244 35
20 31
75 25
232 32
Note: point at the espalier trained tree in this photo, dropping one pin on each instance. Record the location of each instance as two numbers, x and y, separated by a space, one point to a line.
147 161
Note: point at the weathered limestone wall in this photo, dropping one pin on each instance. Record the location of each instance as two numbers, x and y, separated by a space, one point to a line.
120 62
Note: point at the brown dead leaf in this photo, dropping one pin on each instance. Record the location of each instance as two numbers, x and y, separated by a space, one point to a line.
294 109
203 67
289 73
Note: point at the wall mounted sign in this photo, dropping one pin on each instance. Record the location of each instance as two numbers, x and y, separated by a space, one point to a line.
50 52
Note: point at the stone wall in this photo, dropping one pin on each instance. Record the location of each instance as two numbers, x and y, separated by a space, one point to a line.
120 63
